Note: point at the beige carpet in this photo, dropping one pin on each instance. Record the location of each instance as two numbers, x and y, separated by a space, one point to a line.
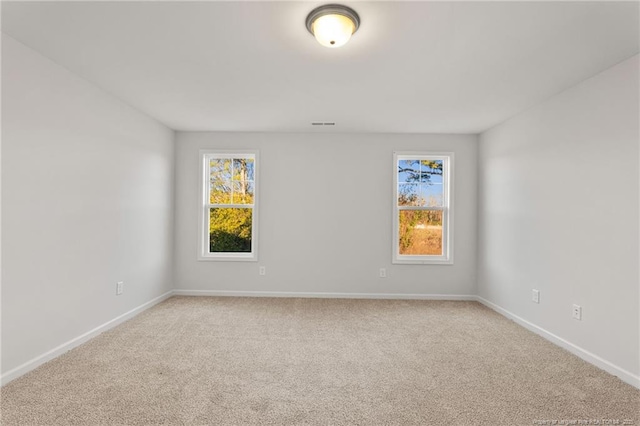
237 361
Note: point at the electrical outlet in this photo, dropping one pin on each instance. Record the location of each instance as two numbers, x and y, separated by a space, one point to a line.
383 273
577 312
262 270
119 288
535 295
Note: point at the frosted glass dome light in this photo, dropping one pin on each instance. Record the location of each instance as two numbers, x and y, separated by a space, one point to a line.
333 24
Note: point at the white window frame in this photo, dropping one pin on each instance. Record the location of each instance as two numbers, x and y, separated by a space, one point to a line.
204 205
447 210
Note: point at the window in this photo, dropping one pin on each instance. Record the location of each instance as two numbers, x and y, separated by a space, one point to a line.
422 222
229 206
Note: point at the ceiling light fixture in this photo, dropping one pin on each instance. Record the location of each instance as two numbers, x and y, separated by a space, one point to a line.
333 24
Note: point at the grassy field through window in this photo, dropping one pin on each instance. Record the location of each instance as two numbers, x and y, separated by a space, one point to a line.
420 232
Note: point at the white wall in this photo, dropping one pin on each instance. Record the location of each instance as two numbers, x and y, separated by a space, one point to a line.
558 211
325 215
87 200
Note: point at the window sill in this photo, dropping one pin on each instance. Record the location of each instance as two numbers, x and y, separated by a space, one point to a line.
422 261
228 258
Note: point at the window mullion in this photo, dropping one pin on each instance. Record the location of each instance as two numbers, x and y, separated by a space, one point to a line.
438 208
229 206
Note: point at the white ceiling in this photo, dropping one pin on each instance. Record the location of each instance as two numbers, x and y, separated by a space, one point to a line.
457 67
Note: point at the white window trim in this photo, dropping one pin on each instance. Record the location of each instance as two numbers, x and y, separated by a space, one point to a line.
203 204
447 217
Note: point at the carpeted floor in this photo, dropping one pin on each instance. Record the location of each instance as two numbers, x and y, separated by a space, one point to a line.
258 361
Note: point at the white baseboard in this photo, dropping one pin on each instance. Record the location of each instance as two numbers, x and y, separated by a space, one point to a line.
180 292
622 374
65 347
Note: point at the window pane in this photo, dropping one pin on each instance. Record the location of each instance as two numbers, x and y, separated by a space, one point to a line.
423 195
409 194
243 169
408 171
432 194
436 179
420 232
431 171
230 230
220 178
243 192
